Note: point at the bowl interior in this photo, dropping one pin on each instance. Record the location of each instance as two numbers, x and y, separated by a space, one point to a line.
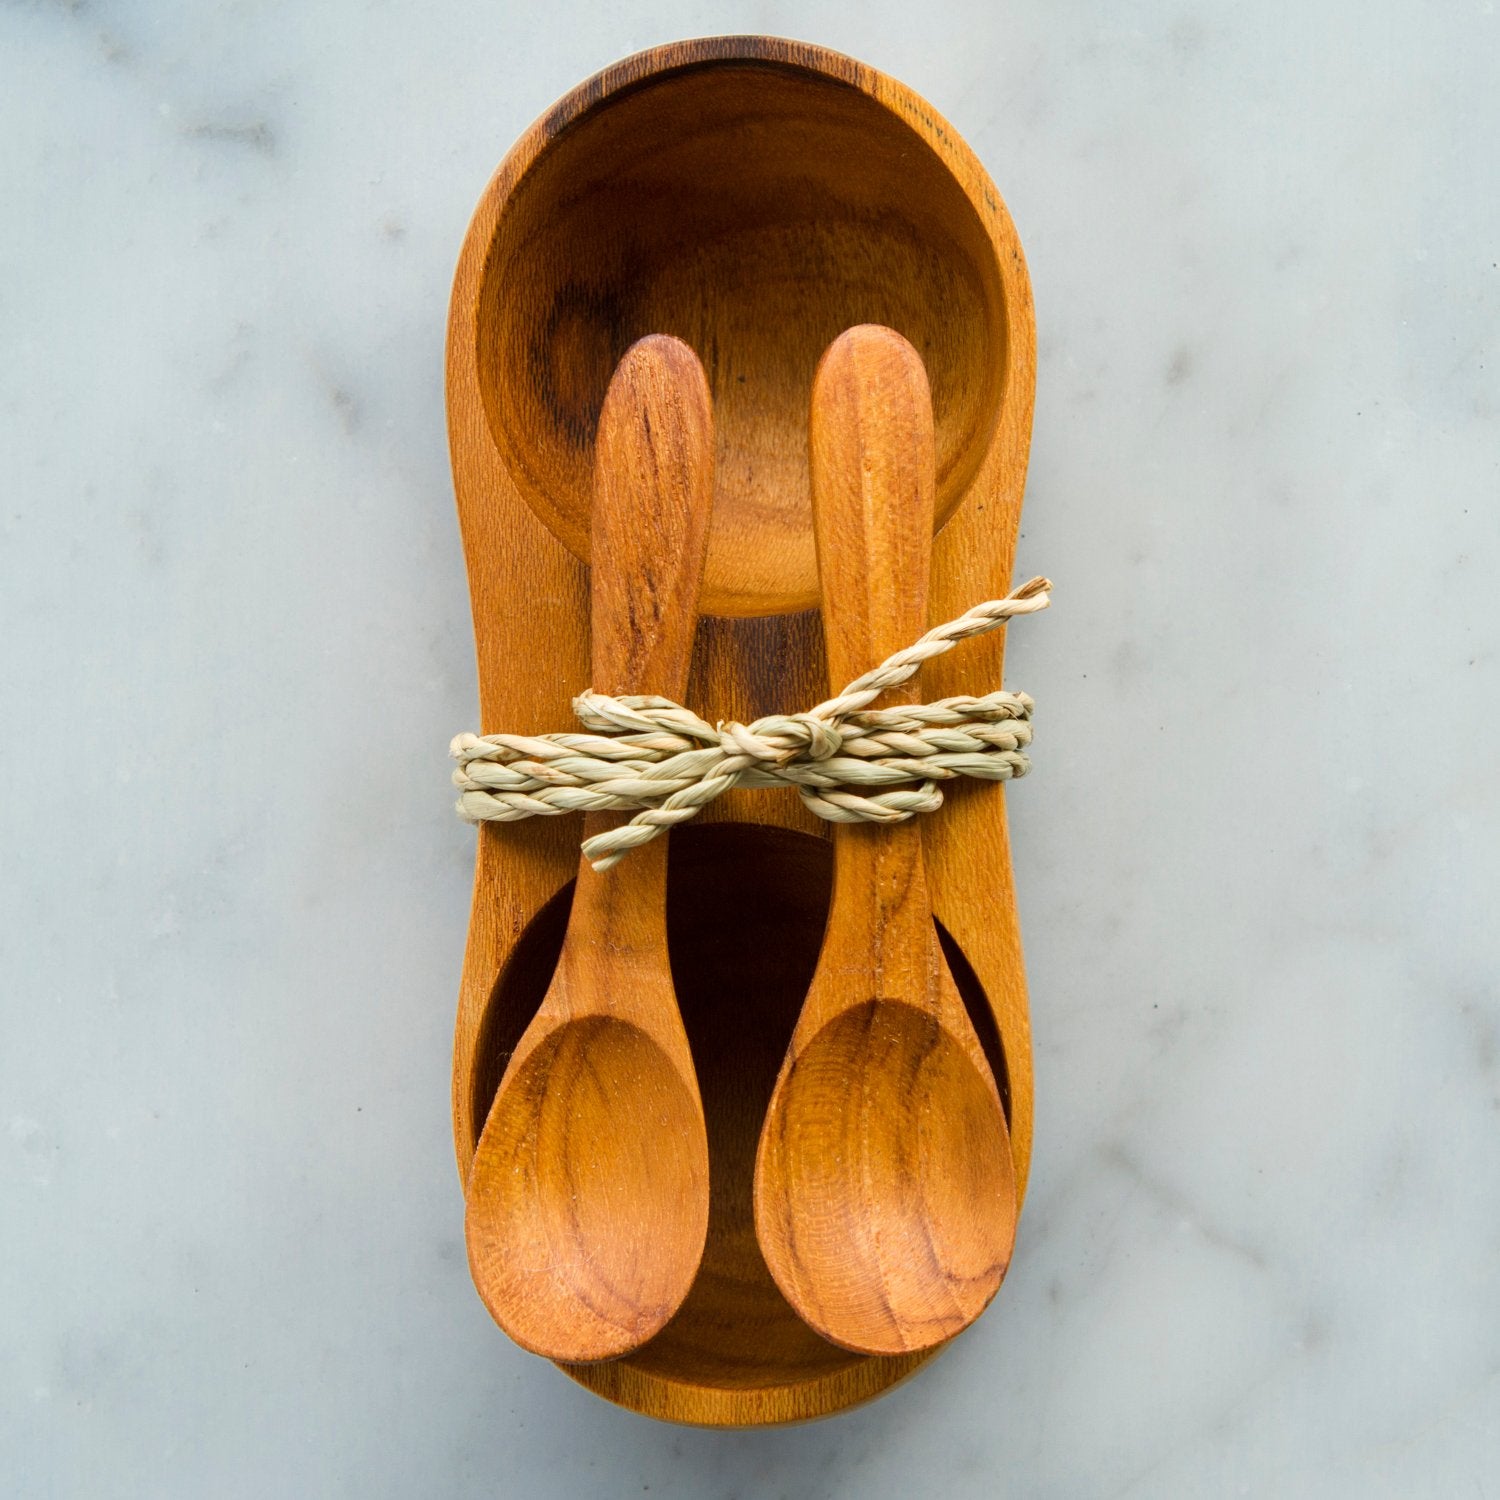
740 985
755 210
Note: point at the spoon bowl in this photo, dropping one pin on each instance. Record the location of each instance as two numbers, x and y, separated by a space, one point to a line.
905 1272
571 1092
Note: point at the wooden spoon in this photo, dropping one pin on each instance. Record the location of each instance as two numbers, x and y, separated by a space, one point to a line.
885 1198
588 1196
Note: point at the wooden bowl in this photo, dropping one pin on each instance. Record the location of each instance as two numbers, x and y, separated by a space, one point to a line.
754 197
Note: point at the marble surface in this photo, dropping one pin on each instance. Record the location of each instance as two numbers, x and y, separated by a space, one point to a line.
1258 857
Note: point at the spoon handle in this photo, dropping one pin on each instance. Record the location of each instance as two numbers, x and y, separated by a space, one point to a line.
653 490
873 475
653 493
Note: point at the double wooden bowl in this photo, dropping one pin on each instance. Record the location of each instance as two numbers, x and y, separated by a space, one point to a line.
755 197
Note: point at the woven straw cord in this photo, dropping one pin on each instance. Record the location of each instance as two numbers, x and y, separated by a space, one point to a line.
849 763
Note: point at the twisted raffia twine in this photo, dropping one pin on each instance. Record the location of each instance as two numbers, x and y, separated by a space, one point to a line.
654 755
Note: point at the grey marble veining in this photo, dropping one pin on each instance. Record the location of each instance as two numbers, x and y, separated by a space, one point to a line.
1258 859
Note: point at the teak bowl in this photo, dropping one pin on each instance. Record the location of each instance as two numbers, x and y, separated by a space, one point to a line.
754 197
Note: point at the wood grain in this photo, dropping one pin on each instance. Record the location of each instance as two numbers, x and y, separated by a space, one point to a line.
887 218
588 1194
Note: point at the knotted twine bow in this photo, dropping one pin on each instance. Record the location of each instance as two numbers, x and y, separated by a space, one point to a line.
653 754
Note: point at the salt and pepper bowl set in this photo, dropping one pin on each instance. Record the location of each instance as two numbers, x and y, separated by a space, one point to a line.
743 1140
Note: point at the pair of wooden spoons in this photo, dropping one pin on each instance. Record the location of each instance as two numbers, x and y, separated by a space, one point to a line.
885 1200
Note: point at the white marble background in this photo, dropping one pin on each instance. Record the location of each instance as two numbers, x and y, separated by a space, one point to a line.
1258 859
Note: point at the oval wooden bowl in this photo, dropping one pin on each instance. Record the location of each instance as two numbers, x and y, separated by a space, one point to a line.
754 197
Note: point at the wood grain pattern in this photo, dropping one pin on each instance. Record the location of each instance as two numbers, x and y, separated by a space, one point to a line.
588 1193
884 1191
885 218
